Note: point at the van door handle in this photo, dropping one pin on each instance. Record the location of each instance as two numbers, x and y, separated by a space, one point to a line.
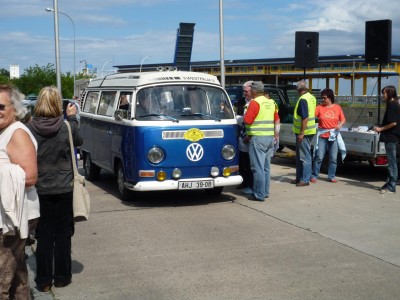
110 132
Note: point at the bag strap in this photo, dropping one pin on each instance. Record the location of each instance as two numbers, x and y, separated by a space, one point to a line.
73 158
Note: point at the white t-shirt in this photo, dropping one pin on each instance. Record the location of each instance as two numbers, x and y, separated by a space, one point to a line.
31 196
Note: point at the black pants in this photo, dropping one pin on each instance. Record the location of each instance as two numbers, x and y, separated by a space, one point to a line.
53 234
245 169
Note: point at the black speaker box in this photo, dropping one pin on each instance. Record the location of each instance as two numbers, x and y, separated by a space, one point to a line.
378 41
306 49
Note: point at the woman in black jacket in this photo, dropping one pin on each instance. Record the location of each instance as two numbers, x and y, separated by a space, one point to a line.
390 132
54 187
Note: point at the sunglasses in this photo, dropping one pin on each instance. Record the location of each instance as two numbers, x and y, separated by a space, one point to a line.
3 107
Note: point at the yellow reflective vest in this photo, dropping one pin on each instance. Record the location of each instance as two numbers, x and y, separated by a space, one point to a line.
263 124
311 103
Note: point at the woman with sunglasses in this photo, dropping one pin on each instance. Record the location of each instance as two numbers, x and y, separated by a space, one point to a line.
330 119
389 134
18 175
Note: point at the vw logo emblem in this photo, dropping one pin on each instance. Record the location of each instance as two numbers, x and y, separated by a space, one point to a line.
194 152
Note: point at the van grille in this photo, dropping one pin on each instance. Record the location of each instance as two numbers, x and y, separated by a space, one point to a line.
178 134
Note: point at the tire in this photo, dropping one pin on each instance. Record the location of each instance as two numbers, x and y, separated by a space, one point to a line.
215 191
123 192
92 171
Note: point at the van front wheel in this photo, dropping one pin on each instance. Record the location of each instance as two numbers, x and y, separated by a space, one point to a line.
92 171
124 193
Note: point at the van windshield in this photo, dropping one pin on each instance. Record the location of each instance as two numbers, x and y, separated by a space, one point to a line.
182 102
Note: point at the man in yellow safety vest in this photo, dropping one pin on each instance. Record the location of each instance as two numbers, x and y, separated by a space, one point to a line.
262 126
304 129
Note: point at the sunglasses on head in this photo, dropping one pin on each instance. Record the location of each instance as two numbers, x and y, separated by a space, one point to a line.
3 107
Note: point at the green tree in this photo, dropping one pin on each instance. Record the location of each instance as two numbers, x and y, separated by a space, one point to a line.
35 78
4 76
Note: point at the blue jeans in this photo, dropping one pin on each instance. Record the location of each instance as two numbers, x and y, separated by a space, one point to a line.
392 166
303 158
260 152
325 144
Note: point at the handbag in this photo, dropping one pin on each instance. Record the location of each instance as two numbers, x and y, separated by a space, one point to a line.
81 198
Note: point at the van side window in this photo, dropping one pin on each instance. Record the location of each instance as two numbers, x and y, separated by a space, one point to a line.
92 99
107 101
125 99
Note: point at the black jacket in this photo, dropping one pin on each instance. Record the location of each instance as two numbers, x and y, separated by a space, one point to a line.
54 154
392 114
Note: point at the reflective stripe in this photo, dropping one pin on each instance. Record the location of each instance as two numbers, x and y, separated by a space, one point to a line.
263 124
261 129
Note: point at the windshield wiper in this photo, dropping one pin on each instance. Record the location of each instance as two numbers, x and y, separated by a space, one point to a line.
202 115
159 115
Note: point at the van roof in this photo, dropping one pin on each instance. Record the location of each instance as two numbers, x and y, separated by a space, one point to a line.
145 78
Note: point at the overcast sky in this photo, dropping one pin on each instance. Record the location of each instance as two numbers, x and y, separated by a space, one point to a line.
126 31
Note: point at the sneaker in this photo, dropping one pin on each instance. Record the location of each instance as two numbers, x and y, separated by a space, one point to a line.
386 191
294 181
302 183
247 191
313 180
333 180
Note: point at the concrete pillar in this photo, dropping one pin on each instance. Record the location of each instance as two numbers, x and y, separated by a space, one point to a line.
336 85
310 83
364 86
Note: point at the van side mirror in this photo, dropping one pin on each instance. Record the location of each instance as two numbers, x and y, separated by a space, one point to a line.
120 114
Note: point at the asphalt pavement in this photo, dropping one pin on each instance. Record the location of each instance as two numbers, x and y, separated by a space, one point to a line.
325 241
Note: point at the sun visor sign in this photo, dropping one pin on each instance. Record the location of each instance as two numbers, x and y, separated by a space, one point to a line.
193 135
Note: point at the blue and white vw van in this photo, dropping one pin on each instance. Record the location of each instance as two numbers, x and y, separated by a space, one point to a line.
169 130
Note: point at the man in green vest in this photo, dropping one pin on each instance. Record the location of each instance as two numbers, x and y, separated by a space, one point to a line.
262 127
304 129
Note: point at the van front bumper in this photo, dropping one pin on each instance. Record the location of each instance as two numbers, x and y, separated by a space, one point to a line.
155 185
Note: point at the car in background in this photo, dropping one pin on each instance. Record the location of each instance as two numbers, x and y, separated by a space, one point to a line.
235 93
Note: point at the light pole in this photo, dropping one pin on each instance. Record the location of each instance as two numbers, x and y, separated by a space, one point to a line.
73 26
57 47
84 67
221 42
108 61
141 63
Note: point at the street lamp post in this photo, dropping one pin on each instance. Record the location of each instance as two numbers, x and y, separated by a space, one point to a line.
221 42
85 72
57 47
141 63
73 26
108 61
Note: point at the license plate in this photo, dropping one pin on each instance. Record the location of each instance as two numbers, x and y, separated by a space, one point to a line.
194 185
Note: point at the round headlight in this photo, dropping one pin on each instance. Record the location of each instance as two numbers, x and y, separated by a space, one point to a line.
228 152
155 155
